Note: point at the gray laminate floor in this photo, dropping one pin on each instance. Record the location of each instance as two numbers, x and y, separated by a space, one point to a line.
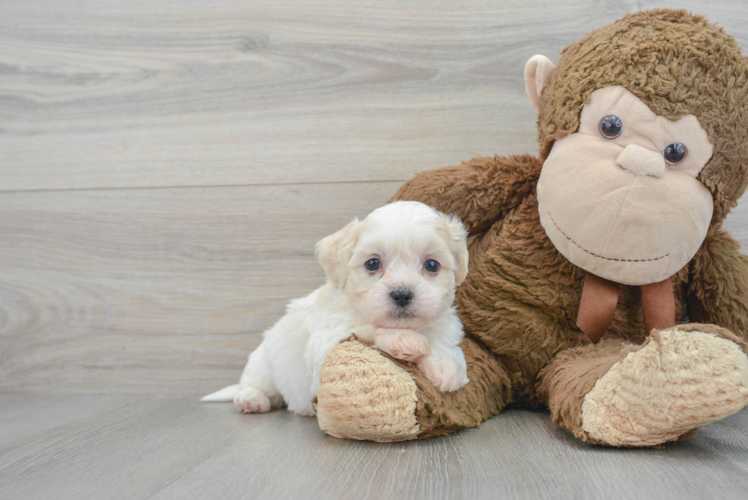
148 447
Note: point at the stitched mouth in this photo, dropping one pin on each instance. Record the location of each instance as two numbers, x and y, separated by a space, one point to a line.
600 256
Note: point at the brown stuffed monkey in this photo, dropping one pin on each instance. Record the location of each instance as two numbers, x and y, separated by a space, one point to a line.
614 230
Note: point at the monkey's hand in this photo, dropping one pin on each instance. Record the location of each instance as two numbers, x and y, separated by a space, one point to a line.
718 288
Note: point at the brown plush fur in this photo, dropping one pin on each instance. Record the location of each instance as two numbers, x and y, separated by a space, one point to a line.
717 287
521 297
675 62
573 374
441 413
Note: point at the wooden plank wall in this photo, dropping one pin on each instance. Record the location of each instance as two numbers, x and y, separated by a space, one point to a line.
166 167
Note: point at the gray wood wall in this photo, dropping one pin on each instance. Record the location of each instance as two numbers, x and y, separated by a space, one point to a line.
167 166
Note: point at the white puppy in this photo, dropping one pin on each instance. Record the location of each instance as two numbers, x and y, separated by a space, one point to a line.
391 281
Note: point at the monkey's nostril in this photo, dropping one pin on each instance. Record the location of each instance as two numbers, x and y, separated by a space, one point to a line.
402 296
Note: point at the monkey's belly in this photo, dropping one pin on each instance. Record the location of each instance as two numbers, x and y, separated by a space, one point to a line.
521 297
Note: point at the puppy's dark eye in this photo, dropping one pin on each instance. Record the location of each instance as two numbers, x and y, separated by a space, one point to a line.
372 264
431 266
675 153
611 126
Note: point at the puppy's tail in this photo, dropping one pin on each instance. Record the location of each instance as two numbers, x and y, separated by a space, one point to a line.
224 395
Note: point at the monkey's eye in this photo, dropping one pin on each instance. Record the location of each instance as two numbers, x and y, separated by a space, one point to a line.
675 153
431 266
372 264
611 126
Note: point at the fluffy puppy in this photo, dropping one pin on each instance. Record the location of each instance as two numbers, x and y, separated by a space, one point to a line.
391 281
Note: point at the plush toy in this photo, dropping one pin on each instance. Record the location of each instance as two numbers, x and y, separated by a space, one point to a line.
614 231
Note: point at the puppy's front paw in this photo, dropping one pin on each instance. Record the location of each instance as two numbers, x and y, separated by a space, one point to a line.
251 400
443 373
406 345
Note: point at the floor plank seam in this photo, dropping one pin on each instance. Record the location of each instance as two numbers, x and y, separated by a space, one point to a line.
201 186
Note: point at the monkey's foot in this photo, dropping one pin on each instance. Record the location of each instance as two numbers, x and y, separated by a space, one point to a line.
680 379
364 395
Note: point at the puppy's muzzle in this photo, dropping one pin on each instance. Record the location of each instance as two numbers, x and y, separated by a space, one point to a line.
402 296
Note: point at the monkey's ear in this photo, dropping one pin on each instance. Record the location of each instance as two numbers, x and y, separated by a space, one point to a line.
537 71
335 251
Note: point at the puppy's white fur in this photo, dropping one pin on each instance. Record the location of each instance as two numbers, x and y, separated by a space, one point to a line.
402 236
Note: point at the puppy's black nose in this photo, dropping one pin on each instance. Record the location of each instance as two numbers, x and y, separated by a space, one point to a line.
402 296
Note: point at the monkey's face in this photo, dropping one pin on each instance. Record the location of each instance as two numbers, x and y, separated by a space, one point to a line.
620 198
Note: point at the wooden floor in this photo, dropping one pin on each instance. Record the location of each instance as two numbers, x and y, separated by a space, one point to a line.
131 447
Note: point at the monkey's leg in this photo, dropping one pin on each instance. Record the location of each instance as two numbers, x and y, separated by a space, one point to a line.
364 394
622 394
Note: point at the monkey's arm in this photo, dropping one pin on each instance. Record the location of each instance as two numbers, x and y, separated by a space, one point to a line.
718 287
479 191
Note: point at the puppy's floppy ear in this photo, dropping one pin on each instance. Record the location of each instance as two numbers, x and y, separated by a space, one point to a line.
457 237
335 251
